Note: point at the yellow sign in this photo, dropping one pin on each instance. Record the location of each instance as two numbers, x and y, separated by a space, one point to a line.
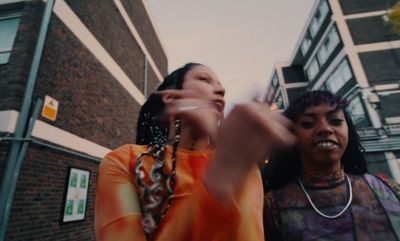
50 108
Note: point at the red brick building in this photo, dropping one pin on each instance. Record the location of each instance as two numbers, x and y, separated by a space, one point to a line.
98 60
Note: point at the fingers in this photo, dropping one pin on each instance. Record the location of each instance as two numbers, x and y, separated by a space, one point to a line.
181 106
274 127
278 128
269 115
178 94
281 119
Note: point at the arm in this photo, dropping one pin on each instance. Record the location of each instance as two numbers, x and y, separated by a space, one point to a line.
249 134
235 219
117 210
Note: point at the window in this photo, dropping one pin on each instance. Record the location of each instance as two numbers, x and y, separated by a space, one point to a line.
319 18
313 69
357 113
274 81
8 31
305 45
323 87
339 77
330 43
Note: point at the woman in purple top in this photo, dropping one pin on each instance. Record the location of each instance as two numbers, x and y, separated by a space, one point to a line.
321 190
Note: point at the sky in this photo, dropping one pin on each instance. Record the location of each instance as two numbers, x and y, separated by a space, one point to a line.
240 40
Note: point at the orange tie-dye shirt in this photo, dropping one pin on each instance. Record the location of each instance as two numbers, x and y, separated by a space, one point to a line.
194 214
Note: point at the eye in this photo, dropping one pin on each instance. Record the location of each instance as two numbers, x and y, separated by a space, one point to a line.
204 79
307 124
336 121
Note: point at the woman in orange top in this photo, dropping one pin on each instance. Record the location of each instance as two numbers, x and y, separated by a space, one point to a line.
171 185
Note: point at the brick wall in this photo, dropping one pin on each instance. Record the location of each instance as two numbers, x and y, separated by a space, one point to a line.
141 20
14 74
152 82
92 104
102 18
3 155
38 199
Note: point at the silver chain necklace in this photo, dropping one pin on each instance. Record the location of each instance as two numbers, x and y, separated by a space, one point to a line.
323 214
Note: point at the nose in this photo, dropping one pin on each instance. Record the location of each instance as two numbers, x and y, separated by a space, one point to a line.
219 90
324 128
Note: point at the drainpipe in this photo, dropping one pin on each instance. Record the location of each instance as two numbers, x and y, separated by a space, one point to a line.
12 167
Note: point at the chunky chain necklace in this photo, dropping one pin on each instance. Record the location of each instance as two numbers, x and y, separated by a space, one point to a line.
156 198
323 214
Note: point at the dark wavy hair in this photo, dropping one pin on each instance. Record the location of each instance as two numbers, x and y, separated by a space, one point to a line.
285 167
150 129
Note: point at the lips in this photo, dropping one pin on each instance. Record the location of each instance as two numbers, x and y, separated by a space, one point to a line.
326 144
220 104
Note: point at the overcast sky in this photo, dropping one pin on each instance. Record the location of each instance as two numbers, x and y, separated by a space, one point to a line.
239 39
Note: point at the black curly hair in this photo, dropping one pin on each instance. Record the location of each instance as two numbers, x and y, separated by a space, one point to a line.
150 129
276 173
156 197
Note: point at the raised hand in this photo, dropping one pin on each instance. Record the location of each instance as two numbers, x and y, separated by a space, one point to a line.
248 135
203 114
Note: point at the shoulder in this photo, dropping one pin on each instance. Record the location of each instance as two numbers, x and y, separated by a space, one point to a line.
389 182
125 151
122 157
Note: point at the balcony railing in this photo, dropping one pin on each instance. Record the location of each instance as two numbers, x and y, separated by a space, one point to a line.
386 138
378 133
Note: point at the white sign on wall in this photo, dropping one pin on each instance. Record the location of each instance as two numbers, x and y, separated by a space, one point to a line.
50 108
75 201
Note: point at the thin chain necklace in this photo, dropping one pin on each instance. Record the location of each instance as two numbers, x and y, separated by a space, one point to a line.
323 214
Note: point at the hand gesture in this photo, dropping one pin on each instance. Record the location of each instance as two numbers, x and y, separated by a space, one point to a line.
247 136
198 112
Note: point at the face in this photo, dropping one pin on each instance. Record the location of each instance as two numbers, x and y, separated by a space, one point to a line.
322 132
204 81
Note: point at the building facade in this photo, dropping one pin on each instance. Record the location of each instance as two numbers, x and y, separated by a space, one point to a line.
349 48
92 63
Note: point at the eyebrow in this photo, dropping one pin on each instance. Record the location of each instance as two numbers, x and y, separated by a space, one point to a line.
209 76
203 74
329 113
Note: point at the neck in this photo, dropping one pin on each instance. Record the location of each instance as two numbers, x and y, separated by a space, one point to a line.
321 168
322 177
190 139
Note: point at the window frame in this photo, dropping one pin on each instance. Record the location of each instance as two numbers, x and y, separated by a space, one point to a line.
315 67
363 121
306 43
328 45
339 71
7 51
316 22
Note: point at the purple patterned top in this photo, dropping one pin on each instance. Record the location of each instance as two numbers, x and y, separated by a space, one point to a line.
374 213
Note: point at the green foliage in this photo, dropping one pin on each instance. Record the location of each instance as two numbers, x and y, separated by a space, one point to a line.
394 17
